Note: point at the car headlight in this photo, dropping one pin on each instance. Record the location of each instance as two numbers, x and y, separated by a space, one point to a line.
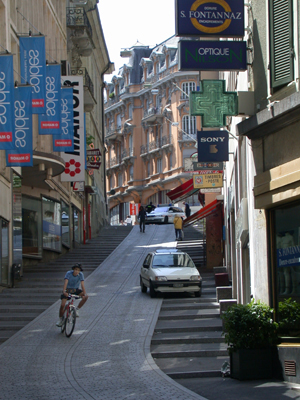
161 278
195 278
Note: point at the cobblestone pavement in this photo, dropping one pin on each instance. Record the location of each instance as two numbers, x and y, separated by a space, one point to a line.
108 356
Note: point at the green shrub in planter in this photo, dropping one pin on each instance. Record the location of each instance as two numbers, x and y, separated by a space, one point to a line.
250 326
251 334
289 317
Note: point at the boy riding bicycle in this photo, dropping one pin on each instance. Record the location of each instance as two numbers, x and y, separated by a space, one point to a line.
73 280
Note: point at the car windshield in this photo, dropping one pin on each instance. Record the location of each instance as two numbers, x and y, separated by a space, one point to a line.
172 261
159 210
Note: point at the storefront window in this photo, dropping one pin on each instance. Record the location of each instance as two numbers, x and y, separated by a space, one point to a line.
51 224
17 220
4 251
76 225
65 222
32 227
287 230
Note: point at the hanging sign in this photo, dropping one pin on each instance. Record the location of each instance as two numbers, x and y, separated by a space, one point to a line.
65 141
208 181
50 122
75 160
207 55
78 186
22 139
213 146
33 69
210 18
93 159
6 101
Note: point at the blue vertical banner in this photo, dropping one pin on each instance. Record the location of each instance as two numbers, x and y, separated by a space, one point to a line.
49 123
33 69
6 101
22 156
65 141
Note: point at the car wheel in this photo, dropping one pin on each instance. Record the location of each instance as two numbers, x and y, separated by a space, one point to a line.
152 291
166 220
198 294
143 287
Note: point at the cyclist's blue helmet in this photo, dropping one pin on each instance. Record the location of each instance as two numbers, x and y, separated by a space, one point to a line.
77 266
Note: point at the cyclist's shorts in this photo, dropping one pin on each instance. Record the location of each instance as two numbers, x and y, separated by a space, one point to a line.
72 291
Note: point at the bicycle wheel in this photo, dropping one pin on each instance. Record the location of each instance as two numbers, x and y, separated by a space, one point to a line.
70 322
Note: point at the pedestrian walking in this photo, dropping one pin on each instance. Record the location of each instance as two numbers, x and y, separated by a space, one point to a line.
178 227
142 218
187 209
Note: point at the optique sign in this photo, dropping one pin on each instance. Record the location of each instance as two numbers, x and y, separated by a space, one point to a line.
210 18
207 55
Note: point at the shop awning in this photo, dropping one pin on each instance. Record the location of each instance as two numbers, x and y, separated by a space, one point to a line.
203 213
183 191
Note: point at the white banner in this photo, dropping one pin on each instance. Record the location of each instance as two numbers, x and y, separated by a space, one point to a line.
75 161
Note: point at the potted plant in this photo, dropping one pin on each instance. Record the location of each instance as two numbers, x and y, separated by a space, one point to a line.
251 334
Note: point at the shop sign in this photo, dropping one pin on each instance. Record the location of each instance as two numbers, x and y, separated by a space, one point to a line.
22 155
288 257
212 56
213 104
217 190
134 209
6 102
50 122
208 181
65 141
33 69
93 158
209 18
78 186
75 160
207 166
213 146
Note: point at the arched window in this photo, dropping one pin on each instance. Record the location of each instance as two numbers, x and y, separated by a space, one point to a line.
187 88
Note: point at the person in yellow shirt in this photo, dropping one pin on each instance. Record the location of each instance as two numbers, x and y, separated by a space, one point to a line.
178 227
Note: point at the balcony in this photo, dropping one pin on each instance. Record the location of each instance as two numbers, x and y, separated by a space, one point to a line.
113 133
82 34
151 148
187 140
127 153
114 162
89 99
153 114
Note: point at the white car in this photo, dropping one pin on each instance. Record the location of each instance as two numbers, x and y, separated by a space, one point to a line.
164 215
170 270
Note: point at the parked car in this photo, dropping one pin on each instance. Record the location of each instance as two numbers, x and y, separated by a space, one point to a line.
170 270
164 215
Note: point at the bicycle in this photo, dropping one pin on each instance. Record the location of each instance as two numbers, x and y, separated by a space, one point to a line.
69 316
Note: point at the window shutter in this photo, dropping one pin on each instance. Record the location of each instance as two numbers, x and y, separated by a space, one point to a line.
281 42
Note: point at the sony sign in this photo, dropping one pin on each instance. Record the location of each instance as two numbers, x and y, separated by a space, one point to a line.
212 146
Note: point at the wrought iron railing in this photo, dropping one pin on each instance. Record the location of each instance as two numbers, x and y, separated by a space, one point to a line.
86 78
127 153
152 111
144 149
114 161
77 18
187 135
166 140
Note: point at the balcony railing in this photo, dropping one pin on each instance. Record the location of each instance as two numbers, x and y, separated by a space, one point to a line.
144 149
152 111
127 153
114 161
183 136
86 78
165 140
77 18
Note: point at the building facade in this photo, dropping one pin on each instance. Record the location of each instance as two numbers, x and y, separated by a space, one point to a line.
42 216
262 186
148 130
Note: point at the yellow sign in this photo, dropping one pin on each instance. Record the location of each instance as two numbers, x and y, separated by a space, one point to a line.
208 181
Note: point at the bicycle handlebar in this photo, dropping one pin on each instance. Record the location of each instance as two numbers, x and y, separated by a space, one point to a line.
74 296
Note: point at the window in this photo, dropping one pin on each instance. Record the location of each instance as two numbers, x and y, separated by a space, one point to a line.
130 108
4 246
119 122
148 168
281 42
51 224
32 227
76 225
131 173
120 180
189 125
170 161
159 165
111 182
187 87
65 223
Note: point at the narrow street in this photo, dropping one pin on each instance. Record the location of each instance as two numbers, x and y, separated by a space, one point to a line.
108 356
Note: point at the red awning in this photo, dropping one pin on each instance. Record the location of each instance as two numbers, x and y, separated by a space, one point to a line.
203 213
183 191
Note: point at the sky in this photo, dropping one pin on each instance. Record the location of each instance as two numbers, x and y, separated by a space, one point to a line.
124 22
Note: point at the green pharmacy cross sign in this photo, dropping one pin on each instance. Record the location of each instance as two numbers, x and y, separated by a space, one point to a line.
213 103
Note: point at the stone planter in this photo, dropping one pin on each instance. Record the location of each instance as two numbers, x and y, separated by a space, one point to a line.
247 364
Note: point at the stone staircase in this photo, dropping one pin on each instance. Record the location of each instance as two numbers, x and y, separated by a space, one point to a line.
187 341
194 243
41 284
